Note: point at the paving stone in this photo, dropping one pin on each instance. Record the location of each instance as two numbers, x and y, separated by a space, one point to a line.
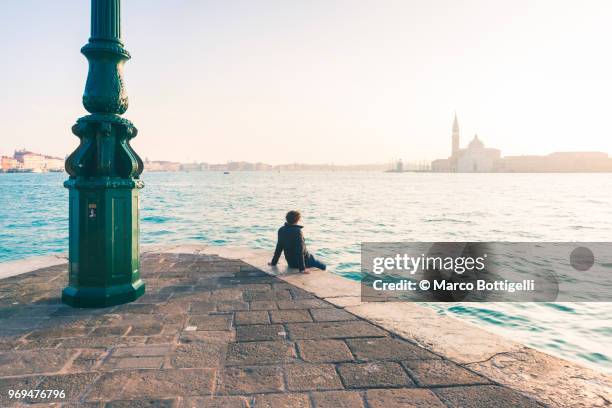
198 295
483 396
17 306
305 377
13 363
150 329
232 305
209 283
68 321
130 363
254 287
303 304
260 332
250 296
58 332
102 342
142 319
171 329
281 285
198 355
10 345
372 375
171 319
65 310
253 274
403 398
440 373
263 305
21 325
216 402
333 330
253 317
153 298
324 351
35 344
87 360
331 315
97 404
161 339
142 351
146 403
297 293
202 307
282 401
387 349
207 336
212 322
251 380
338 399
73 386
155 384
260 353
171 308
226 294
290 316
110 331
176 289
135 308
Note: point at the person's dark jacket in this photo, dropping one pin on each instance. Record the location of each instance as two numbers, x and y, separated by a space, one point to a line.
291 241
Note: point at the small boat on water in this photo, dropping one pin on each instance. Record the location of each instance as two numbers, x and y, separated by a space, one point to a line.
226 172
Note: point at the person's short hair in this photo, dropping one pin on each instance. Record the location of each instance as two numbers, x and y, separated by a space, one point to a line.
293 216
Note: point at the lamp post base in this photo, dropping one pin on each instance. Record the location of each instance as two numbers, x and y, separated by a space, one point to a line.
91 297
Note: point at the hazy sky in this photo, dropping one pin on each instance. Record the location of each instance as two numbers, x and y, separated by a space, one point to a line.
319 81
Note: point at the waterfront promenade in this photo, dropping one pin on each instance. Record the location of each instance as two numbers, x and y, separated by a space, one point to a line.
219 332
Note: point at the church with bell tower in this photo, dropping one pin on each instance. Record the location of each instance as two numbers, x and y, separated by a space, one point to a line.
476 158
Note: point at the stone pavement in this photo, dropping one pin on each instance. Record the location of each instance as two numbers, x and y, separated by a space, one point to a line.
212 332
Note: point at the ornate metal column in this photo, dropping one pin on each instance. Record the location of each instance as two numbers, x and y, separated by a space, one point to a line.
104 177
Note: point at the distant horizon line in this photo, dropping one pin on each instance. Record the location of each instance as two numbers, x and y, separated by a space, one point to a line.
390 161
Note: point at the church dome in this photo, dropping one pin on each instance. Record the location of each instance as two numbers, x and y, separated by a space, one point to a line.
476 143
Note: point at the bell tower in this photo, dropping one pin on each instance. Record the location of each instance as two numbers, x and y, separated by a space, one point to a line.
455 146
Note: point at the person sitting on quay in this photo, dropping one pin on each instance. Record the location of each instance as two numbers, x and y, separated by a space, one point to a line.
291 242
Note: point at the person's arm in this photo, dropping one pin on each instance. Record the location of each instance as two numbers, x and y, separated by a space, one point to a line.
302 244
277 251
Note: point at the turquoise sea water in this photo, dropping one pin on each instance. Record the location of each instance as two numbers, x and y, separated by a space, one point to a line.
343 209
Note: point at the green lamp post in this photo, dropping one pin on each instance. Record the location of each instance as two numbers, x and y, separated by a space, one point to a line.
104 177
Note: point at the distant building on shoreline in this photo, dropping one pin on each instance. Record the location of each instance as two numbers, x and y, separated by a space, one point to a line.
25 161
161 165
158 165
8 163
477 158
